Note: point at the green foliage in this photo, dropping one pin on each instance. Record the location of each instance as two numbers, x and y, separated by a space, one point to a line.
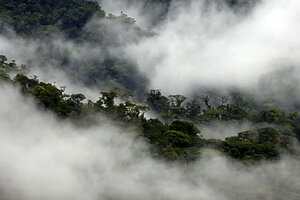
136 111
3 59
50 97
193 110
27 16
41 18
232 112
4 76
287 124
7 68
172 108
176 100
177 138
184 126
224 112
169 153
108 98
180 140
25 81
270 116
268 135
157 101
263 143
242 101
153 129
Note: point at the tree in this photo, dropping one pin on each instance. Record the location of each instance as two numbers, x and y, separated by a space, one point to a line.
108 98
154 129
136 111
177 138
193 110
25 81
3 59
77 98
157 101
177 100
169 153
185 127
205 100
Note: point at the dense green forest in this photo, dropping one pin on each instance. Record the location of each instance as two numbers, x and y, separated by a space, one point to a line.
42 20
70 16
99 105
174 135
31 17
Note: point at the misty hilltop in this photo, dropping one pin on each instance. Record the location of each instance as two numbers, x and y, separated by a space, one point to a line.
149 99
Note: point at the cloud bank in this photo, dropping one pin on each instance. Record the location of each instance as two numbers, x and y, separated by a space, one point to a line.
43 158
199 46
44 59
209 45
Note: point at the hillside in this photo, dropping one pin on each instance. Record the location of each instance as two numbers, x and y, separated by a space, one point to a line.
160 99
178 139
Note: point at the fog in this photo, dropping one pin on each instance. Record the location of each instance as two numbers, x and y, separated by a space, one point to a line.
210 45
43 158
43 59
222 130
76 65
198 46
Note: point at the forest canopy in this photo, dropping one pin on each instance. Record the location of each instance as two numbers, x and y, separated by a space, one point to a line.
48 16
174 136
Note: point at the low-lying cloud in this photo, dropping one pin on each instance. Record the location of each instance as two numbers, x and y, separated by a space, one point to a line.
211 46
43 158
222 130
198 45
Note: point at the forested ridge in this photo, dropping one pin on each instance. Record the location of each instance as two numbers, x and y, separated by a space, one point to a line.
149 99
67 20
173 135
43 20
29 17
